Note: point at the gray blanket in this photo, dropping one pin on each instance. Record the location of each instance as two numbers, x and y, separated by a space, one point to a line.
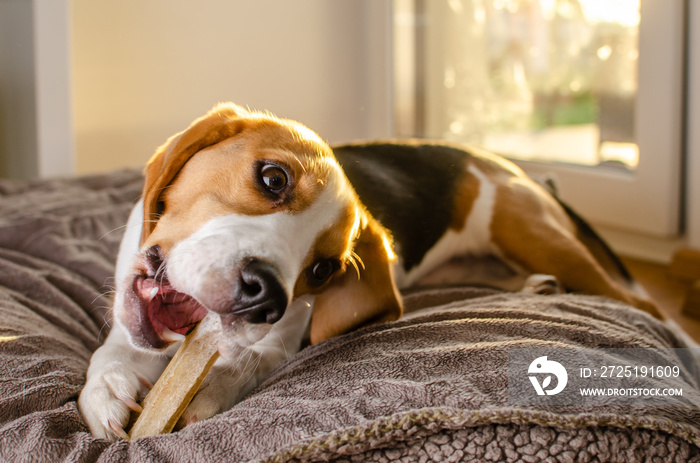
433 386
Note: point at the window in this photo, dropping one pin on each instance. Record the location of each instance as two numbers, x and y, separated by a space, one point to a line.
587 91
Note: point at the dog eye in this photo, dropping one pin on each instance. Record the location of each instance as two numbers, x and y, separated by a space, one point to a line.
323 269
274 178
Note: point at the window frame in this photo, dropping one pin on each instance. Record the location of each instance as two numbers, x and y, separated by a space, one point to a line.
647 200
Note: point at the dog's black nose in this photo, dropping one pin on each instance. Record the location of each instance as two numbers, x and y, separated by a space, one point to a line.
259 296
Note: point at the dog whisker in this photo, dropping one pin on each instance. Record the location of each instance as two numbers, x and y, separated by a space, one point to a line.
255 358
356 262
283 345
160 275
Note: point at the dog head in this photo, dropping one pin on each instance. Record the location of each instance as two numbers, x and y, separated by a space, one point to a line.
245 213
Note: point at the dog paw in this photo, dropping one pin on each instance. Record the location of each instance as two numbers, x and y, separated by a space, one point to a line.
219 392
109 397
209 400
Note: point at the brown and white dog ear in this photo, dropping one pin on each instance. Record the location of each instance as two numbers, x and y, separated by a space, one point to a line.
352 300
222 122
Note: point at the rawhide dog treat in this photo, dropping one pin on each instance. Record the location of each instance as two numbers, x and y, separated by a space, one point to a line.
178 384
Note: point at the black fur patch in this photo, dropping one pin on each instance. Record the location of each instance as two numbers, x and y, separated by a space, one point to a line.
409 187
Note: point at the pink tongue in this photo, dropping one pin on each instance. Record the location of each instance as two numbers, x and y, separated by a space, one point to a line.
179 317
169 308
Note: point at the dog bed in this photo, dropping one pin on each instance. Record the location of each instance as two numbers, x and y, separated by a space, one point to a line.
430 387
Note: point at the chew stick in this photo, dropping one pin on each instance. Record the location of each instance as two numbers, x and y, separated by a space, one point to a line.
178 384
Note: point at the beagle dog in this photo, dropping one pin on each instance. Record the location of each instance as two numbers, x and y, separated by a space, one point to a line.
256 219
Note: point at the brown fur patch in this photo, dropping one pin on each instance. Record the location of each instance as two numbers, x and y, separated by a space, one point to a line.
464 200
220 123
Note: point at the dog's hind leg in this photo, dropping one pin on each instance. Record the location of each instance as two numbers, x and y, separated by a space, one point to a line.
544 242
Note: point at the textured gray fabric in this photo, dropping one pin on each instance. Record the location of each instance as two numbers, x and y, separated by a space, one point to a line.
430 387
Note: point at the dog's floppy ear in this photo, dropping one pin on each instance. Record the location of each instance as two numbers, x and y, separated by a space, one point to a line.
222 122
353 300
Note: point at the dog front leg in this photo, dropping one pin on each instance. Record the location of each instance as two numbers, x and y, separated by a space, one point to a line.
118 376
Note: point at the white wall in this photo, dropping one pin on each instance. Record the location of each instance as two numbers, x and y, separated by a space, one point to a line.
54 105
143 69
